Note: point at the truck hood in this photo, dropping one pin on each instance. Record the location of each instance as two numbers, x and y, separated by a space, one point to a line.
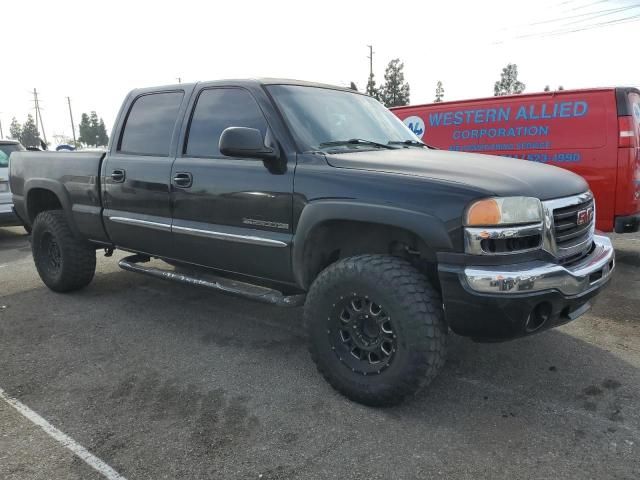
497 176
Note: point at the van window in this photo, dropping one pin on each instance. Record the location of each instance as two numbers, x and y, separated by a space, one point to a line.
150 123
5 152
216 110
634 99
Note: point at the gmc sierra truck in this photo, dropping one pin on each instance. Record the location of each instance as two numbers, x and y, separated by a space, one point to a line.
296 193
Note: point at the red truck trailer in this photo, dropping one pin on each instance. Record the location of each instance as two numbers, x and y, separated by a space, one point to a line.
593 132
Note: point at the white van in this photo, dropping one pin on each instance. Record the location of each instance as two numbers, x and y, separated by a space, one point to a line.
7 217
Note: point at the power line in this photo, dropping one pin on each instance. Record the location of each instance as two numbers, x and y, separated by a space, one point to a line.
580 15
553 33
603 14
587 5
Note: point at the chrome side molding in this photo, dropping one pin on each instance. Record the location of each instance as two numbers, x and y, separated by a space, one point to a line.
165 227
231 237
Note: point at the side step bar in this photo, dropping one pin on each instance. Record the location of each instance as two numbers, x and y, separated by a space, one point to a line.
234 287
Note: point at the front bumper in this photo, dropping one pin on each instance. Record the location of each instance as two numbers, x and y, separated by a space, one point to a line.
8 218
506 301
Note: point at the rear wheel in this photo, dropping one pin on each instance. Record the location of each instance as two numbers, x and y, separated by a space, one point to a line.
376 328
64 263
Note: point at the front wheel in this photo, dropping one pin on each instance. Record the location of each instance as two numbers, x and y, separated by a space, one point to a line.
376 327
64 262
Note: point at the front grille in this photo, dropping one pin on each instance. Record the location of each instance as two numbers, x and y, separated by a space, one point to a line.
568 231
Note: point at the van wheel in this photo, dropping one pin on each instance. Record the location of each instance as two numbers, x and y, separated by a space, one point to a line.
64 263
376 327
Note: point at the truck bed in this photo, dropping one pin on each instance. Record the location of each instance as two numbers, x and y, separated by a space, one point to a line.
75 179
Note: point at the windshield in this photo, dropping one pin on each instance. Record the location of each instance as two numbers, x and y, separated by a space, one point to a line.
5 151
321 117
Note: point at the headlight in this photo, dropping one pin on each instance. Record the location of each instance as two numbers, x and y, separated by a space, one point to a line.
503 211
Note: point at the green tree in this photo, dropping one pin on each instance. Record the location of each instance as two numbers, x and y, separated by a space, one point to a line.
15 130
508 83
395 91
94 128
92 131
103 137
439 92
30 136
371 89
84 129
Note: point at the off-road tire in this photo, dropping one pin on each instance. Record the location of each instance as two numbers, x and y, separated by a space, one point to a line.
64 262
414 308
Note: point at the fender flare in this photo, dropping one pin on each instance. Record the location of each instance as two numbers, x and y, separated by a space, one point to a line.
426 227
58 190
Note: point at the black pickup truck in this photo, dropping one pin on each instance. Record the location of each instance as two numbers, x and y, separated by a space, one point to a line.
297 193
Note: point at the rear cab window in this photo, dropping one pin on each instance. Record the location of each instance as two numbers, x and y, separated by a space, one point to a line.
150 123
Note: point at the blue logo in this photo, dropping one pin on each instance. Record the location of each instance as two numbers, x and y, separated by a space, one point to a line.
416 125
636 110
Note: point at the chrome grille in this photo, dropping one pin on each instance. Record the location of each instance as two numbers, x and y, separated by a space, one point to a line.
566 224
569 225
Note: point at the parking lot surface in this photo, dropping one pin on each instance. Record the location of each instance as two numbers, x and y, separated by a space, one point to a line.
164 381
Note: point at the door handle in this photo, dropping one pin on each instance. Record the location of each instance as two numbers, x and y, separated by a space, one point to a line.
118 176
183 179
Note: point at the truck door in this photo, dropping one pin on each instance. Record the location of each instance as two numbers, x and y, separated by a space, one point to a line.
231 214
136 174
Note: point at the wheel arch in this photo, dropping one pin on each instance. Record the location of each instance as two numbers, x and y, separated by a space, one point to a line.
46 194
324 224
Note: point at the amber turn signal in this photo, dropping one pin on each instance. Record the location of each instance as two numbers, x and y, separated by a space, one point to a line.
484 212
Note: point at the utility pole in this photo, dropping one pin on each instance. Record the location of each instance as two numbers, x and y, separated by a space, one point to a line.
370 57
73 125
39 114
35 106
179 79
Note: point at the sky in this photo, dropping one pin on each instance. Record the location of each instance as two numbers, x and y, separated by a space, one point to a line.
95 52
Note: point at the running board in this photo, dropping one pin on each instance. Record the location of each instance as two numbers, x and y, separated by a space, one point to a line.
221 284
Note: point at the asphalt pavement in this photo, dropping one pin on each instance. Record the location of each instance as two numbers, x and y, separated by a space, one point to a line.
164 381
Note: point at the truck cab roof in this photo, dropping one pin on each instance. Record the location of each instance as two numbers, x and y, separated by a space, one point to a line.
249 82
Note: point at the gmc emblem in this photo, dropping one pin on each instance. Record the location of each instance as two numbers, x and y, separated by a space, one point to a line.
585 216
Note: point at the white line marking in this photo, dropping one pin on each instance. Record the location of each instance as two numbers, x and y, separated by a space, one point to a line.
63 439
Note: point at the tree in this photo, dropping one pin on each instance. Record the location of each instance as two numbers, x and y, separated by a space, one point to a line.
508 83
30 136
94 126
439 92
547 88
103 138
371 89
15 130
92 131
84 129
395 91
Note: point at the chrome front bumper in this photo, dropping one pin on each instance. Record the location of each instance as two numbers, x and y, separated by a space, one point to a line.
575 279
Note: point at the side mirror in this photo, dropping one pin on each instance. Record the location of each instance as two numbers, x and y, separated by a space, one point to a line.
245 142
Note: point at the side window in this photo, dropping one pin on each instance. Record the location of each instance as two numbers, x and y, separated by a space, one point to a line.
217 109
150 123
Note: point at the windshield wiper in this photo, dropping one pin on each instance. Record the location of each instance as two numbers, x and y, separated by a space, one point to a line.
356 141
413 143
